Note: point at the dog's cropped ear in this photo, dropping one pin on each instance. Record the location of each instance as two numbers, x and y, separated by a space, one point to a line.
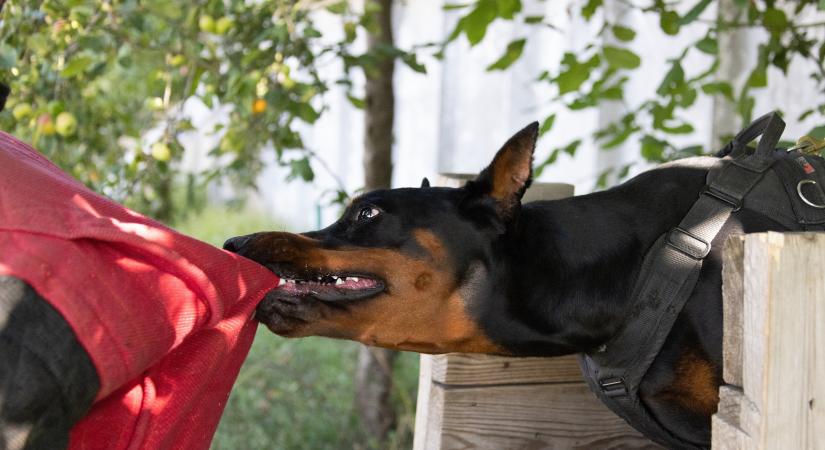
511 171
425 183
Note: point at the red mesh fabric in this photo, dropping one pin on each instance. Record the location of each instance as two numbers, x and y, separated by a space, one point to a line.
165 318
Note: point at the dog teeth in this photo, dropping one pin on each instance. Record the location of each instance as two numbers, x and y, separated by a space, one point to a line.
323 280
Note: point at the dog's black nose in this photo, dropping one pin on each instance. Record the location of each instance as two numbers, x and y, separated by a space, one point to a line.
236 243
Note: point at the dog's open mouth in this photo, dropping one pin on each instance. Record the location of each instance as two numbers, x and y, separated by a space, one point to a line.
330 287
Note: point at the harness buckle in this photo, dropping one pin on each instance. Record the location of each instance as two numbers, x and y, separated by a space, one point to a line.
688 244
734 203
613 387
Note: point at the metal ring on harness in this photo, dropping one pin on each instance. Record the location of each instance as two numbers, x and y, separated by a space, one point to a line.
802 196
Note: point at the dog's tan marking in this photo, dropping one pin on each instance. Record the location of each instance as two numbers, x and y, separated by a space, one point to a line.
696 385
422 309
423 281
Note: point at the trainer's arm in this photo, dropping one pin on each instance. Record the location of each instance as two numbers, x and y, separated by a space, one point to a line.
47 381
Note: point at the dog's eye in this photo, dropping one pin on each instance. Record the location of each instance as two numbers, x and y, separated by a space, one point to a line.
367 213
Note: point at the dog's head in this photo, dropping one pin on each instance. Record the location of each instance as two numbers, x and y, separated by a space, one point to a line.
404 268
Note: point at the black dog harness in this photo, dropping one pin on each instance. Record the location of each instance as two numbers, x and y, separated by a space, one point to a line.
671 268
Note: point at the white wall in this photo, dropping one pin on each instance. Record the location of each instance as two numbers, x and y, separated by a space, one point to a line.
455 117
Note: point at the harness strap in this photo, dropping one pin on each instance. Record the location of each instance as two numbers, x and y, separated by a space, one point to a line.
667 278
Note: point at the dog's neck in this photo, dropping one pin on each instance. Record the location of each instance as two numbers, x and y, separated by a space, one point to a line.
573 263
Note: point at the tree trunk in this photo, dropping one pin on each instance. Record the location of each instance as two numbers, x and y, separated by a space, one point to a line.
374 372
379 107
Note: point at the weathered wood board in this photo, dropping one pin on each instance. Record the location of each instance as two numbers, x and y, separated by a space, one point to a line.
495 403
774 344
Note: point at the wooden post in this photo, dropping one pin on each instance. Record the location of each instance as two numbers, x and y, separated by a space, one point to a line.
486 402
774 343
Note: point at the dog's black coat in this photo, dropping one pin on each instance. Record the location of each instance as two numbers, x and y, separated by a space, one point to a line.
549 278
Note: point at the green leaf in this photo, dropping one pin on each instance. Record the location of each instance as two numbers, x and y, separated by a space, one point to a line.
708 45
623 33
511 55
574 73
531 20
453 6
669 22
618 131
590 8
745 108
758 77
674 78
350 31
163 8
76 66
719 87
821 5
339 8
817 132
683 128
547 125
507 9
474 25
621 58
300 168
652 149
624 171
571 148
307 113
356 102
411 60
805 115
8 57
603 179
554 155
694 12
775 20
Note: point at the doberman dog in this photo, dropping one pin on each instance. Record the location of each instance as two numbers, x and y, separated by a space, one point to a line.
471 269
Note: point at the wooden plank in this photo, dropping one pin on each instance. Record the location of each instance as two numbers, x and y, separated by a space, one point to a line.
428 408
532 417
466 369
733 295
781 349
795 282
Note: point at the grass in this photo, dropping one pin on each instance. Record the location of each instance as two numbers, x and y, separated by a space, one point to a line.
297 393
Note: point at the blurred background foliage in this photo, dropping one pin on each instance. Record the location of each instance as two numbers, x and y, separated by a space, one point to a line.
100 87
90 78
599 73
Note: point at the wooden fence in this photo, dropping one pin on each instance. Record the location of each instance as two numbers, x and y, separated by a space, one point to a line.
774 369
